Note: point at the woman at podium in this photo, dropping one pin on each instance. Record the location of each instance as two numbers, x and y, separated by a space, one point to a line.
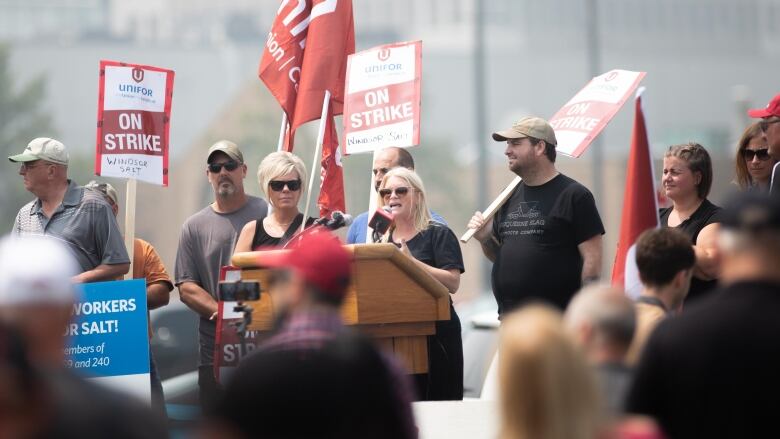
434 247
281 175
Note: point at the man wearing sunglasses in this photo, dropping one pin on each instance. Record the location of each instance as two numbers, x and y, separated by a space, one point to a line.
770 125
62 209
545 241
206 243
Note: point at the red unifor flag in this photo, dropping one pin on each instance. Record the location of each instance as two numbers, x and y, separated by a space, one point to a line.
332 182
640 211
306 54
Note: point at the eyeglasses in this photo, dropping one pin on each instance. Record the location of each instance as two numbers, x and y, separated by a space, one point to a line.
764 124
400 191
30 165
278 185
229 166
762 154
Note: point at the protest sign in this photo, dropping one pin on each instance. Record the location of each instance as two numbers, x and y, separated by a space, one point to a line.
590 110
109 338
134 109
382 105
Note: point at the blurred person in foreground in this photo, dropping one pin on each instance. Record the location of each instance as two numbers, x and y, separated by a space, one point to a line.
665 260
206 244
712 371
23 404
545 241
386 159
147 265
37 295
770 126
753 162
602 321
62 209
433 247
281 175
686 180
314 377
547 390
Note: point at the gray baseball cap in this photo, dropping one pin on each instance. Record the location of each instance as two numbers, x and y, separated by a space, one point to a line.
528 126
43 148
227 147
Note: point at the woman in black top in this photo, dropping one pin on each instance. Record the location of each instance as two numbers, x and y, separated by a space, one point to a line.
687 179
281 175
433 247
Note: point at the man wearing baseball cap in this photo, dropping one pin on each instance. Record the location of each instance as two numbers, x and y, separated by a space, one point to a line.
770 125
702 374
64 210
545 241
316 377
206 244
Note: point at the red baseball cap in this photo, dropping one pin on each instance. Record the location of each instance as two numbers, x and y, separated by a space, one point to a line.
319 257
772 109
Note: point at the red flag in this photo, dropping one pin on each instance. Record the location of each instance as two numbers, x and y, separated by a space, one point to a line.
305 54
640 211
332 183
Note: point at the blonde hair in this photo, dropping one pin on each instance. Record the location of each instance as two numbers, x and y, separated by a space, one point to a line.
743 178
548 390
421 216
277 164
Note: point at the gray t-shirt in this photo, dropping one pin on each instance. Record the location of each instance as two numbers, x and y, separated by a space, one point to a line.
84 221
206 244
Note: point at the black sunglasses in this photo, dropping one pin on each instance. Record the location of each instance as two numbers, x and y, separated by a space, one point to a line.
762 154
278 185
230 165
764 124
400 191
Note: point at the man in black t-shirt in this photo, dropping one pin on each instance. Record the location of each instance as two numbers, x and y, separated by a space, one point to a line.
545 241
770 125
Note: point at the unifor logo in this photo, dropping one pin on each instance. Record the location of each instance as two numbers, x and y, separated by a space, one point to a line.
383 54
612 75
138 75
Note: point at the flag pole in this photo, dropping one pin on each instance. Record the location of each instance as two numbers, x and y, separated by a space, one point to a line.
282 132
317 154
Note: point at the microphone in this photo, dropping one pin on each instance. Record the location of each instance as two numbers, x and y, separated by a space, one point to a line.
338 220
382 220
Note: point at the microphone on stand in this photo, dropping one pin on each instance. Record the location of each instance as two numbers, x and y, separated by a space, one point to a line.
381 221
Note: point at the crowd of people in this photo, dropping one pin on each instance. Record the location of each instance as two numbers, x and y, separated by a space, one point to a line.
577 358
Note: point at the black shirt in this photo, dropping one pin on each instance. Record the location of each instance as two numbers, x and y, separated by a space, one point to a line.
436 246
263 239
538 230
706 214
712 371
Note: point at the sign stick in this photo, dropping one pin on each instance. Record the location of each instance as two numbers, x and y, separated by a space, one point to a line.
372 206
130 222
493 207
317 153
282 132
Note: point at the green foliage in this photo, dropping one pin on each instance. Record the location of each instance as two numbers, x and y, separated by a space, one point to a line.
21 119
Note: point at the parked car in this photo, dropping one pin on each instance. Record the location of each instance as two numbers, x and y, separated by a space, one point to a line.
175 339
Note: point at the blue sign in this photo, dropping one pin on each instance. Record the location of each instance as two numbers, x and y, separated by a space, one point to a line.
108 334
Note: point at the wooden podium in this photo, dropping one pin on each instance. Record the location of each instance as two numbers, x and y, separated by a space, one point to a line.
390 298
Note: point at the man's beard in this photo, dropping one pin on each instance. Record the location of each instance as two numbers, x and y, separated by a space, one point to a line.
226 190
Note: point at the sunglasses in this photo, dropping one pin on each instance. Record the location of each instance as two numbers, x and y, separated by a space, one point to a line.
764 124
400 191
230 166
278 185
762 154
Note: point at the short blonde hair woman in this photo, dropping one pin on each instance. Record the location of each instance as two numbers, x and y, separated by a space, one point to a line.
434 248
548 391
281 175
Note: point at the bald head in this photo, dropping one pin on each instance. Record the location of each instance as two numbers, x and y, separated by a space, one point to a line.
389 158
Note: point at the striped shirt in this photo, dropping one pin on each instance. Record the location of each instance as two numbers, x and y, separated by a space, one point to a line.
84 221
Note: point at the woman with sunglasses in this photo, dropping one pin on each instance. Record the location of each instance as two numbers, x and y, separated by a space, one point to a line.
433 247
686 181
281 175
753 162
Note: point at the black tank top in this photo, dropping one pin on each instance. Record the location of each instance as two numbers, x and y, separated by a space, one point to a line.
706 214
263 239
